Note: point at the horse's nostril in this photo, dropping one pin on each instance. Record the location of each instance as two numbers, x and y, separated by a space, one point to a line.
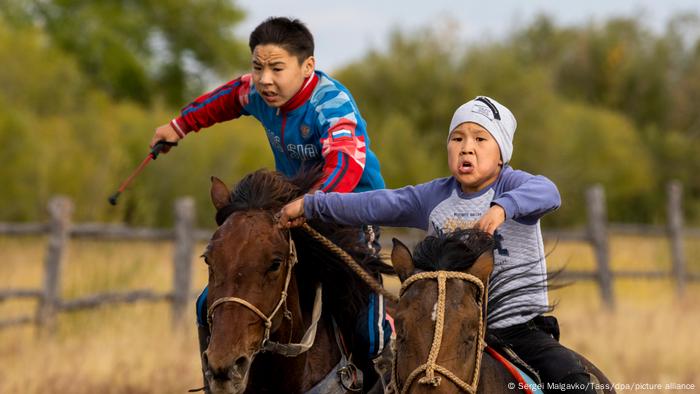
241 364
205 361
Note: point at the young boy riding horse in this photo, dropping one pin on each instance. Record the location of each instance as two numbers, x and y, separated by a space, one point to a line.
309 119
483 192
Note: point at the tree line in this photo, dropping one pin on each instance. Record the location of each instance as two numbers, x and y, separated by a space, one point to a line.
85 83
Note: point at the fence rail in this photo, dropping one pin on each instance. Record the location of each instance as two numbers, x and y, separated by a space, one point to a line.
60 230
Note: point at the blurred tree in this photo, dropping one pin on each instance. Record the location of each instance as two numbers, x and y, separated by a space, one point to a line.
61 135
410 92
140 49
612 103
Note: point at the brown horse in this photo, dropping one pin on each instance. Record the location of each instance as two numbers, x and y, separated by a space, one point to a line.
272 291
441 318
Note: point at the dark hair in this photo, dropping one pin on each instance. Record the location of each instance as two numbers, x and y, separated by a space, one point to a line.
452 251
290 34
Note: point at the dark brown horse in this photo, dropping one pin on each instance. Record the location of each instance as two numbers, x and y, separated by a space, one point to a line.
267 287
441 318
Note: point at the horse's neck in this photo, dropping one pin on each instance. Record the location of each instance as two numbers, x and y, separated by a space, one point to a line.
494 377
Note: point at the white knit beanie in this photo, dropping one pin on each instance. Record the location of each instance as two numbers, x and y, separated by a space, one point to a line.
491 115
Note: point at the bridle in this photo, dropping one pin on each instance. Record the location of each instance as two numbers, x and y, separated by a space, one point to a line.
430 367
286 349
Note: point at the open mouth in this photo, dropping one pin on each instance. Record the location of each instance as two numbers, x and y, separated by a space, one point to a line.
466 167
270 96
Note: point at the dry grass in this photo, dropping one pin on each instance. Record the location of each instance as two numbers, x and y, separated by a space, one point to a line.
650 338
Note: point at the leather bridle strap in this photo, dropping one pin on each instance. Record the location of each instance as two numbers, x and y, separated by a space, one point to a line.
267 320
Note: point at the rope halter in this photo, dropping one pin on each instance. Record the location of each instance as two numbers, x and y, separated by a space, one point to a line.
430 367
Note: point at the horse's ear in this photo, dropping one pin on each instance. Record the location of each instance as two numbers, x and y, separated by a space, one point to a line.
219 193
401 259
483 266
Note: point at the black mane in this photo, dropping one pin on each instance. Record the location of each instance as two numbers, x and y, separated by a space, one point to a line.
459 250
268 191
344 293
454 251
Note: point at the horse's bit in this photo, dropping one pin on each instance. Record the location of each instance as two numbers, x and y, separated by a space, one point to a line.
292 349
430 366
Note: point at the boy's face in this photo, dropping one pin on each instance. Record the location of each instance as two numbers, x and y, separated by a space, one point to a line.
277 74
473 157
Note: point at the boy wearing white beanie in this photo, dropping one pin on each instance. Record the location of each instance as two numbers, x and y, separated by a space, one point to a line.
484 192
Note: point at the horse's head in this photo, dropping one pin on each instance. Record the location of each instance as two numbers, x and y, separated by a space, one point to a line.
441 313
250 266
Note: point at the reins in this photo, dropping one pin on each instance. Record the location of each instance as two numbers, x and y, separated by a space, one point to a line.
430 367
350 262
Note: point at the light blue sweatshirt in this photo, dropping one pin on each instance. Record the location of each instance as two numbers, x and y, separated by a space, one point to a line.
441 206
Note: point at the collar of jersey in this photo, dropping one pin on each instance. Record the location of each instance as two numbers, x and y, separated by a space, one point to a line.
302 95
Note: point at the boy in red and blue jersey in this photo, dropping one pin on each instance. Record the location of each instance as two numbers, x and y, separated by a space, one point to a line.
309 119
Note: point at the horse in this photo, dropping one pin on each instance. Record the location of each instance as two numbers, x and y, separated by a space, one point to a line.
447 281
281 307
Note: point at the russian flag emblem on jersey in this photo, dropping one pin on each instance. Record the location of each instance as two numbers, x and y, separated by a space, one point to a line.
338 134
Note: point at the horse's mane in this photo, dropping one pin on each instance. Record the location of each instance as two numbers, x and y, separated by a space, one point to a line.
459 250
268 191
454 251
344 292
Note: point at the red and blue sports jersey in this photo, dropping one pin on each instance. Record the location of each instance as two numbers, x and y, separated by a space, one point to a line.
321 124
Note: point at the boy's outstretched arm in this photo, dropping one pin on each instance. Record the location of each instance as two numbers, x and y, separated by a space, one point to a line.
223 103
400 208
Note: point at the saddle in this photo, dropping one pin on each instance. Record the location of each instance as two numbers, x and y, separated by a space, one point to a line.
526 382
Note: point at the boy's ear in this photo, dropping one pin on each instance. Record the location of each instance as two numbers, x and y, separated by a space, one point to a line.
401 259
220 195
483 266
308 66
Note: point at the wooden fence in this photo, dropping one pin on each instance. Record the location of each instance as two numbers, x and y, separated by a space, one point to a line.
598 231
60 230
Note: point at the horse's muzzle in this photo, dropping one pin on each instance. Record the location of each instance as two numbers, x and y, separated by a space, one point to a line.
227 379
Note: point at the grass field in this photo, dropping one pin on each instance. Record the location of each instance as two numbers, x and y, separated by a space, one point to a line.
651 337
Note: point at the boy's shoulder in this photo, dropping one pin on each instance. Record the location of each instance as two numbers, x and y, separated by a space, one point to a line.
328 89
509 173
511 178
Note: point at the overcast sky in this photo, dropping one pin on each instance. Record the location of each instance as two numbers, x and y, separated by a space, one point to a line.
345 30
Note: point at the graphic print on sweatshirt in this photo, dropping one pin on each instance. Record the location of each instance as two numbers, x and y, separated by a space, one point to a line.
521 251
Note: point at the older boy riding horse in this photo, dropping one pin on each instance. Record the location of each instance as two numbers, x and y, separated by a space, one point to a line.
281 308
441 318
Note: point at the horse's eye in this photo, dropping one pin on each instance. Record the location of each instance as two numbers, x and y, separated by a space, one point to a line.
276 264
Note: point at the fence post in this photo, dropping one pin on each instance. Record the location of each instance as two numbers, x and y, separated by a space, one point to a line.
675 233
182 263
60 211
598 235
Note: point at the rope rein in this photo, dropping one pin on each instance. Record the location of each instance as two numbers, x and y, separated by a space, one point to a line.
430 367
350 262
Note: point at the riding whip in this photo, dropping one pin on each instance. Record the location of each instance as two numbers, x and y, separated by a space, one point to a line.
157 149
